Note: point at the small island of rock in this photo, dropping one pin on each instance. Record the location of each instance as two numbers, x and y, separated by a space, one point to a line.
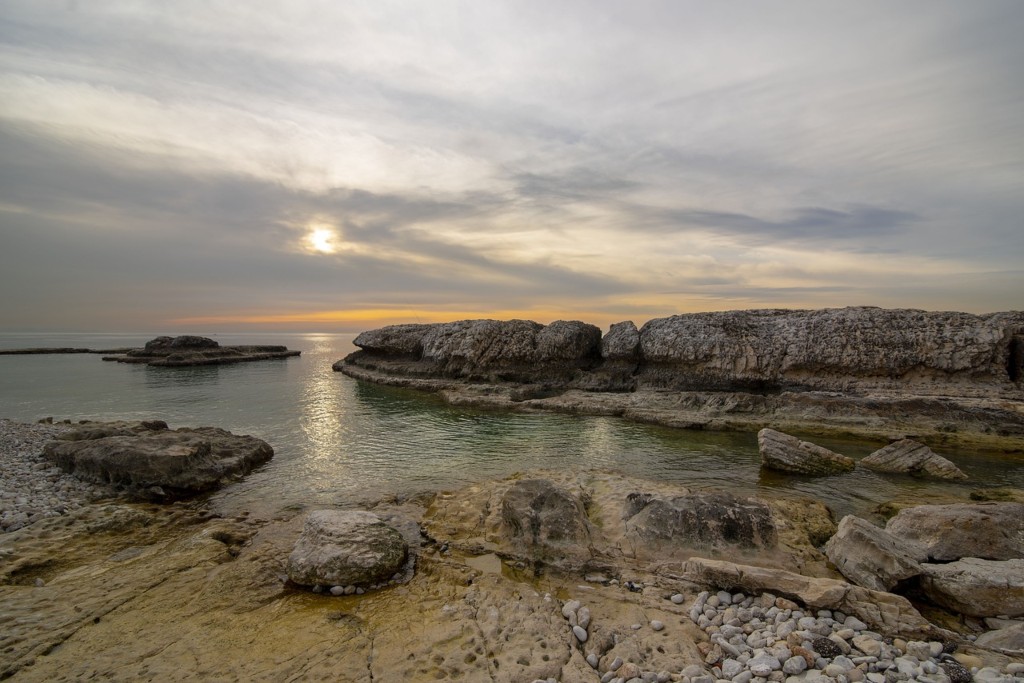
190 350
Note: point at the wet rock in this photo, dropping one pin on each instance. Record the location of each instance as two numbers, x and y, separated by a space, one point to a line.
871 557
544 518
910 457
992 531
975 587
346 548
156 462
786 453
701 520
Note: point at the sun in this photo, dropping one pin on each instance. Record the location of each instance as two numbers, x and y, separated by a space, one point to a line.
321 240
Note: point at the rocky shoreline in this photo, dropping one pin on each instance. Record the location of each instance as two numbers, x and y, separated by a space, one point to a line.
541 576
174 352
943 378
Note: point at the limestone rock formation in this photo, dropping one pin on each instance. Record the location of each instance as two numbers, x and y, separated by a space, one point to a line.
190 350
980 588
870 557
943 377
992 531
346 548
787 453
910 457
547 520
1008 638
152 462
702 520
622 343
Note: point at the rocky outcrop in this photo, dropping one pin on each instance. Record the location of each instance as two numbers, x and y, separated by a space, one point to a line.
979 588
700 521
910 457
152 462
870 557
546 521
189 350
992 531
346 548
942 377
786 453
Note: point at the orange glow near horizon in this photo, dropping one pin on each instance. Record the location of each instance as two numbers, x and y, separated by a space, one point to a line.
379 317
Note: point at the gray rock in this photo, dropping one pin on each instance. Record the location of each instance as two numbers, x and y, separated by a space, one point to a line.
794 665
869 556
910 457
545 520
621 343
394 340
190 350
157 463
712 519
346 548
975 587
1010 638
992 531
786 453
580 633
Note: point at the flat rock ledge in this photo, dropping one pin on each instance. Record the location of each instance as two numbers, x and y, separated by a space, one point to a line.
151 462
185 351
885 374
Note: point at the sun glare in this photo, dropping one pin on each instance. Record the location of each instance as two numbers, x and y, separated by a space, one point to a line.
321 240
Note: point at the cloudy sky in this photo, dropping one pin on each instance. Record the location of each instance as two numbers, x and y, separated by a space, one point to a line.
191 166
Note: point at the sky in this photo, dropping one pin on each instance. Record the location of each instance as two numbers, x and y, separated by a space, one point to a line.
338 166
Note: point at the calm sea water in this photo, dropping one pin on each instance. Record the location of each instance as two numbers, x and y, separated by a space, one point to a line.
340 441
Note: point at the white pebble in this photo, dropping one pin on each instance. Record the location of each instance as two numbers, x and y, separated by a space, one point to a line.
657 625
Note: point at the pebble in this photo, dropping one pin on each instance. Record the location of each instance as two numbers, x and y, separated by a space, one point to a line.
580 633
677 598
30 488
657 625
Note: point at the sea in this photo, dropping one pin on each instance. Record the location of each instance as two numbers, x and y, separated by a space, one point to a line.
342 442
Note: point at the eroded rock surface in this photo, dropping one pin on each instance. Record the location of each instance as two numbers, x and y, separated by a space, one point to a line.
980 588
945 377
701 520
910 457
153 462
871 557
346 548
993 531
786 453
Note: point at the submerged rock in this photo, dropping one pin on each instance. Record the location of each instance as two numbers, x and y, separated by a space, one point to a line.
979 588
910 457
346 548
787 453
871 557
152 462
993 531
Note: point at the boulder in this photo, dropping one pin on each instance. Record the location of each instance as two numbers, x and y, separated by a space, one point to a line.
154 462
622 343
871 557
394 340
975 587
787 453
992 531
346 548
568 341
910 457
544 519
1009 639
700 520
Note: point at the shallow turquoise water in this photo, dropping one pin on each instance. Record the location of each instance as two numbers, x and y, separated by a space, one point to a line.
339 441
